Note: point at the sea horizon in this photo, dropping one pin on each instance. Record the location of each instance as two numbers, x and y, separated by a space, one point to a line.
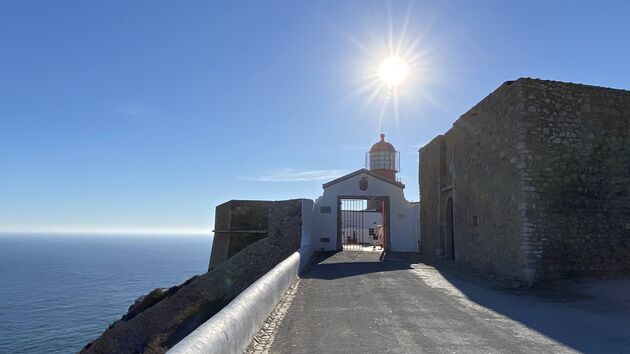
59 291
129 233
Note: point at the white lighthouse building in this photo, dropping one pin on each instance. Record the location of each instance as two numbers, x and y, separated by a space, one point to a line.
355 206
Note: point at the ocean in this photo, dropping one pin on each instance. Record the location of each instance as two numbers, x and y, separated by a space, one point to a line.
58 292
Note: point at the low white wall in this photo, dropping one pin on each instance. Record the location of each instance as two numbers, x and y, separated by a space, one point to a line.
232 328
307 245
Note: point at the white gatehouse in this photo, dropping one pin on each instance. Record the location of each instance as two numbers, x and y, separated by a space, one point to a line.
356 207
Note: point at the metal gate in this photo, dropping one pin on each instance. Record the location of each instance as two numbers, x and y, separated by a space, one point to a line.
360 219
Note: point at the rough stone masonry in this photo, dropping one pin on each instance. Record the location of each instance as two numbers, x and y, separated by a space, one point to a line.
532 184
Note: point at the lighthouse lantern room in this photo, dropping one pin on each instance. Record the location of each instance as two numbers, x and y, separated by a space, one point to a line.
383 159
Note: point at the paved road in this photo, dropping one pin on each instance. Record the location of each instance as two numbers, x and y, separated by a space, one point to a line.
353 303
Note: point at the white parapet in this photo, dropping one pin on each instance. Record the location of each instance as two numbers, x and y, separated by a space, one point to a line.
232 328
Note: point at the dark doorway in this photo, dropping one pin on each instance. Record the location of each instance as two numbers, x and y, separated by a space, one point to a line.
450 233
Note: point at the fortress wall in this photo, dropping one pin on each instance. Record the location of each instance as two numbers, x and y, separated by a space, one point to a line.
478 170
486 185
475 165
429 200
578 173
540 175
238 224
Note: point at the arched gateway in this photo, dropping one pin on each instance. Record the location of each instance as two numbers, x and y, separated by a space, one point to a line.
356 207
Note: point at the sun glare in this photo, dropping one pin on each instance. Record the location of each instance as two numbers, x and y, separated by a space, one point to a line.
395 68
393 71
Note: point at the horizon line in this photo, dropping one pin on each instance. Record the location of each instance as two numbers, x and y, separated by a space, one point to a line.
157 232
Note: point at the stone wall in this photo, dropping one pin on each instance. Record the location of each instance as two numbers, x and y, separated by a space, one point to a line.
183 308
576 156
474 163
237 224
486 185
539 175
430 200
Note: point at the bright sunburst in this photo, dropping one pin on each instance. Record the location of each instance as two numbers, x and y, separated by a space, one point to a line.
393 71
396 67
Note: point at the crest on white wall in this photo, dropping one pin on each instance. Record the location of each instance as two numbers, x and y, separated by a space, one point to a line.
363 183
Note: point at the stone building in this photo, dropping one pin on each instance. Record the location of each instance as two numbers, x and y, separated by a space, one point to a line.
532 184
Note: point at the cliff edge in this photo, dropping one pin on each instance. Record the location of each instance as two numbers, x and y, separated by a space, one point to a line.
164 317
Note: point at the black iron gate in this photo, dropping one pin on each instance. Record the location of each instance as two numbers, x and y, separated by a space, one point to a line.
360 219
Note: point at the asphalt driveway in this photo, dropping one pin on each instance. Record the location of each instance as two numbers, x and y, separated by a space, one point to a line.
351 302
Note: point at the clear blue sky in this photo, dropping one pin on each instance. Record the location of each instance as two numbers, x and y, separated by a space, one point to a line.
144 115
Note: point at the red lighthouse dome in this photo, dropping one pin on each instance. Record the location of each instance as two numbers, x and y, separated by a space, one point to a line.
383 159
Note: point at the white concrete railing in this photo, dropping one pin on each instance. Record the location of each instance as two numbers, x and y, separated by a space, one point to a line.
232 328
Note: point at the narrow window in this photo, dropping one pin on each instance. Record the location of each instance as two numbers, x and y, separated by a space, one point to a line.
325 210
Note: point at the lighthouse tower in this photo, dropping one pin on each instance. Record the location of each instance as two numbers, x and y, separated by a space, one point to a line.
383 159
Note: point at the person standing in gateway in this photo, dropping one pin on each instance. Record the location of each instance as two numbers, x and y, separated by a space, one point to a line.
377 239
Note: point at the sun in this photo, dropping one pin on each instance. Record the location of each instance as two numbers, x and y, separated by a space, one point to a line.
393 71
395 66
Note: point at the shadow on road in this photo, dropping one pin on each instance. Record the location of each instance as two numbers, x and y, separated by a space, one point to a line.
342 264
579 316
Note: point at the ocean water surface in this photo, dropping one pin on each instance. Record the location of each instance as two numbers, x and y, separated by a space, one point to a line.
58 292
